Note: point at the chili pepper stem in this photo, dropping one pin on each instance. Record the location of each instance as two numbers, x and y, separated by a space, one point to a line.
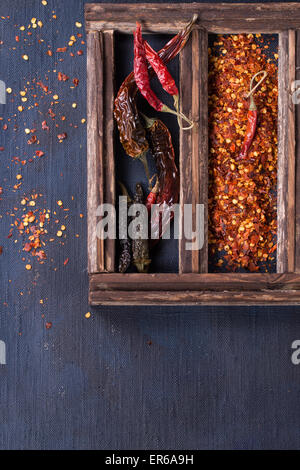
154 189
124 191
166 109
252 105
176 102
252 90
148 121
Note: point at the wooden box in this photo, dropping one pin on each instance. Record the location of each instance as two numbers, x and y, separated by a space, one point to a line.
193 285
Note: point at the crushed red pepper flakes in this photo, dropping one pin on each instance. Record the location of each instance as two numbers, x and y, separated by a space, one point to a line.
62 136
32 140
62 77
45 127
242 195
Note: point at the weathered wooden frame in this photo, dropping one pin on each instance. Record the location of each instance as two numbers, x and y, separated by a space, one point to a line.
192 285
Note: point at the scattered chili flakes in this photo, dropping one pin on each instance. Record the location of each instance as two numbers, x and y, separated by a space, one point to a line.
62 77
32 140
65 262
48 325
242 194
39 153
62 136
44 87
45 127
51 113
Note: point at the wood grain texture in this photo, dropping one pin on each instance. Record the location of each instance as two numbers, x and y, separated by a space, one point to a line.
109 146
217 18
200 135
194 144
95 165
291 155
209 282
100 144
297 160
186 154
286 155
275 297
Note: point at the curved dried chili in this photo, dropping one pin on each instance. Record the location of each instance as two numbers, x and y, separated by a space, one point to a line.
162 149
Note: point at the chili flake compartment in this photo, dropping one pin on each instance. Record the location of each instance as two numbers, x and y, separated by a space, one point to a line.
238 280
242 193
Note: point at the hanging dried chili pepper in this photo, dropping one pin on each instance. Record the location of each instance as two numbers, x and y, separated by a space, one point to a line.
125 244
140 246
142 79
162 149
252 118
162 72
131 130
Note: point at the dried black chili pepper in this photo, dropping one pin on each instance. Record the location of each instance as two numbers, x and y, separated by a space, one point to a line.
140 246
125 244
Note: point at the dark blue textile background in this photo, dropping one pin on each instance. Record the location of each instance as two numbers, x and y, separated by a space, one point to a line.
126 378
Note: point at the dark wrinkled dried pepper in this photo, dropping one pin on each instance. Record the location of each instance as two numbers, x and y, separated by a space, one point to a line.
125 244
162 149
140 247
132 133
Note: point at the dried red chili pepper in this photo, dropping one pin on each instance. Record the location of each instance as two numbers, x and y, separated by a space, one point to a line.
142 79
162 149
162 72
131 131
252 118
